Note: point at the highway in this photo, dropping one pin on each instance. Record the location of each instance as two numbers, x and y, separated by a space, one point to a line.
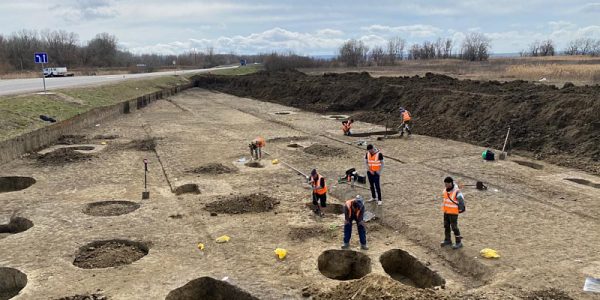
32 85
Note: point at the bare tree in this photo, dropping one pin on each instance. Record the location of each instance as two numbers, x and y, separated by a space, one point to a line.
395 50
377 55
353 53
546 48
475 47
102 50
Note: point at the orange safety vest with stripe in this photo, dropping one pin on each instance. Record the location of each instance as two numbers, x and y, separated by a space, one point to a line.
405 116
346 126
349 209
260 142
373 161
448 206
317 183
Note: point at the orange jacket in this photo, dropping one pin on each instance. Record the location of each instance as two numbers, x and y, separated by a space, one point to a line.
448 206
373 161
317 184
406 116
260 142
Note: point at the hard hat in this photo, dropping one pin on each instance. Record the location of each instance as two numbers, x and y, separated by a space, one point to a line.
402 108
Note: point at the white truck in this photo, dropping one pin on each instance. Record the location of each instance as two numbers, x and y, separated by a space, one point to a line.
57 72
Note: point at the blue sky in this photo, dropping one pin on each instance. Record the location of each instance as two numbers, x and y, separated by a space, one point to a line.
304 27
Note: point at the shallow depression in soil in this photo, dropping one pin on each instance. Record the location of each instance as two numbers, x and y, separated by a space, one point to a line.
12 281
188 188
239 204
344 264
331 208
15 183
110 253
407 269
254 164
16 225
208 288
529 164
584 182
110 208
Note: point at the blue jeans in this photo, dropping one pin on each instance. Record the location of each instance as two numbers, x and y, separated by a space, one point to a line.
362 232
374 184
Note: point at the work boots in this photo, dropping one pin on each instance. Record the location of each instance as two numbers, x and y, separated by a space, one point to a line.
458 244
446 243
345 246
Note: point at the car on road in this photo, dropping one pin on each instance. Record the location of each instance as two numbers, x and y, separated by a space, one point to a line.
57 72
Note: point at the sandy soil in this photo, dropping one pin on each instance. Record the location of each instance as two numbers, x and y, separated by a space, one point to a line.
544 227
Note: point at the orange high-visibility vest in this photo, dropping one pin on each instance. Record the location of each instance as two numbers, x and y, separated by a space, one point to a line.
406 116
316 183
373 161
260 142
346 126
349 208
448 207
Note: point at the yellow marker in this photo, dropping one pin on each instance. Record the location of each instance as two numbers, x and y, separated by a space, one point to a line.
275 161
223 239
201 246
281 253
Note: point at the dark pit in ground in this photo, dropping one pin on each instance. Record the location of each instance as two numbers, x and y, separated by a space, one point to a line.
407 269
239 204
365 134
142 145
71 139
337 117
214 169
254 164
282 113
344 264
288 138
188 188
111 253
207 288
85 297
324 150
106 137
62 156
83 148
584 182
12 281
331 208
529 164
15 183
294 145
110 208
16 225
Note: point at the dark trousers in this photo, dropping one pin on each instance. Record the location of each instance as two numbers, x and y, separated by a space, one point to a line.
451 222
319 198
375 187
362 232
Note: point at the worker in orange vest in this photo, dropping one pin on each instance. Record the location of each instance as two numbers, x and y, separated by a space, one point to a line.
374 163
319 194
354 210
256 147
454 203
406 121
346 126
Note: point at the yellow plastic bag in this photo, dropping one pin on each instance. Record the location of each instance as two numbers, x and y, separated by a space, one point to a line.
281 253
275 161
223 239
201 246
103 143
489 253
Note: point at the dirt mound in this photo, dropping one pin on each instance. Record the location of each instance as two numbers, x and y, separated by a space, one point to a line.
62 156
324 150
71 139
374 286
213 169
549 294
240 204
85 297
559 125
209 288
105 254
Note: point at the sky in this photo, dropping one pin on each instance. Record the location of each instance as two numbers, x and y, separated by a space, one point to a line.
304 27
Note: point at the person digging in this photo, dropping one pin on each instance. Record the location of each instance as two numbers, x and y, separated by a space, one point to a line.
374 164
319 191
454 203
347 126
406 121
354 210
256 147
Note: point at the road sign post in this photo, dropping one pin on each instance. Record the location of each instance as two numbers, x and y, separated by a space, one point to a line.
41 58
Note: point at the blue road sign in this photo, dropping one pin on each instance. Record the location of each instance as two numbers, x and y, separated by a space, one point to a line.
40 58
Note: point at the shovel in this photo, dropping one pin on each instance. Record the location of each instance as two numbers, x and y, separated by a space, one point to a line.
145 193
503 154
478 185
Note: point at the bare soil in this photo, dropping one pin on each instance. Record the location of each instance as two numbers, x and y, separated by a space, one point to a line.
110 208
240 204
214 169
72 140
62 156
324 150
106 254
558 125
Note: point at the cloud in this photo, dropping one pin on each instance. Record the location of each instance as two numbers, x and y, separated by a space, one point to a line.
418 30
86 10
591 8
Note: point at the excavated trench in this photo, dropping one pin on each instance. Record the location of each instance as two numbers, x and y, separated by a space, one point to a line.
403 267
110 208
207 288
331 208
344 264
16 225
584 182
371 133
529 164
188 188
12 281
15 183
110 253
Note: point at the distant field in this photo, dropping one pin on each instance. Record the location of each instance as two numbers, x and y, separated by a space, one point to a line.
249 69
557 70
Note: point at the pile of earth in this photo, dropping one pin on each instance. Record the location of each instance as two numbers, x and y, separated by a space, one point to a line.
239 204
109 254
558 125
213 169
62 156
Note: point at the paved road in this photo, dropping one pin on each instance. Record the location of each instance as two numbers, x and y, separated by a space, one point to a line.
29 85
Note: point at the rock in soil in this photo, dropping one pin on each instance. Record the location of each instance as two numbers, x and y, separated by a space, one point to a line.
213 169
240 204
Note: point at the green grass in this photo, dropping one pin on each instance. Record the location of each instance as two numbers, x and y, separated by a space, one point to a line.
20 114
